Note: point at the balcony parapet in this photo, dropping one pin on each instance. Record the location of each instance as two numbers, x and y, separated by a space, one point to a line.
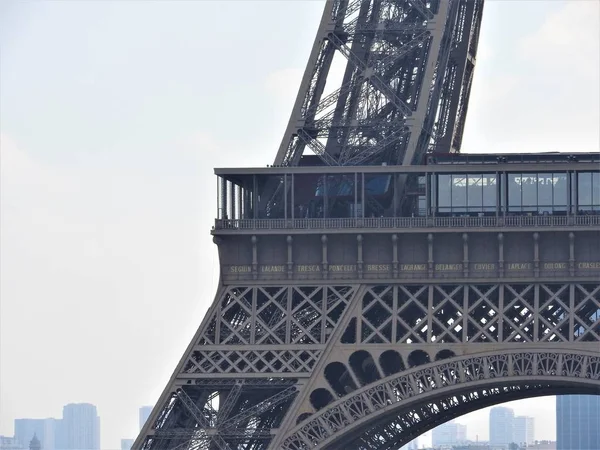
405 223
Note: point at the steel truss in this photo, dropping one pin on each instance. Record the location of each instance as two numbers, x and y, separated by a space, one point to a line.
309 366
405 89
324 364
390 412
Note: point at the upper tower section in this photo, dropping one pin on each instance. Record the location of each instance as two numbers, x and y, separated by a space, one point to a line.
386 82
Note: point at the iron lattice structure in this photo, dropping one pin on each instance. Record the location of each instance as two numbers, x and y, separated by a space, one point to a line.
408 69
301 352
371 366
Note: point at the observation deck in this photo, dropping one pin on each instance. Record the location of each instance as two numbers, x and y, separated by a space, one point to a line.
455 217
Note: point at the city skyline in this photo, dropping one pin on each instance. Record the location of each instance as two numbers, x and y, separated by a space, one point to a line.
425 440
77 429
449 433
55 434
107 188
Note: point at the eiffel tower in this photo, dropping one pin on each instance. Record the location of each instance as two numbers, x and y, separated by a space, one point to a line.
376 283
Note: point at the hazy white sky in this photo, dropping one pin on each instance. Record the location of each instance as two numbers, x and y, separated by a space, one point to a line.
112 116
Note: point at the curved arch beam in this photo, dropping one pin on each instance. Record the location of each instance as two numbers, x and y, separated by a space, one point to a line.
450 378
390 430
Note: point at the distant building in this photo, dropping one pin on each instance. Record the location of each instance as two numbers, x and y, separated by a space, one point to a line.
80 428
501 427
44 430
449 434
542 445
145 412
126 444
577 422
10 443
471 446
35 444
412 445
523 431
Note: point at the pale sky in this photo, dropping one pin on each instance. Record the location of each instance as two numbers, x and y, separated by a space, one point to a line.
112 117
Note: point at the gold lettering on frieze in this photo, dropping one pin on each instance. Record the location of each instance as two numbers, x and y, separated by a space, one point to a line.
484 266
378 267
308 268
273 269
555 266
588 265
240 269
413 267
448 267
342 268
519 266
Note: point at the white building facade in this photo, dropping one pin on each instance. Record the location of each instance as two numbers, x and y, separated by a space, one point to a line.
523 430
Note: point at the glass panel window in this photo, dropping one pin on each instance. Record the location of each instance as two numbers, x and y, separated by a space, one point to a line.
489 190
514 191
379 193
422 205
475 192
459 193
560 192
596 190
339 199
308 195
529 191
444 191
545 184
584 188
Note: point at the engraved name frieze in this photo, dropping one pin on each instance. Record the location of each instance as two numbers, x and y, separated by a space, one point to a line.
240 269
413 267
378 267
273 269
385 268
555 266
342 268
448 267
308 268
519 266
588 265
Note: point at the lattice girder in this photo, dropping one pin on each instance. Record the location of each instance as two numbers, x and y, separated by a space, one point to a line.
241 372
291 360
268 355
408 70
420 398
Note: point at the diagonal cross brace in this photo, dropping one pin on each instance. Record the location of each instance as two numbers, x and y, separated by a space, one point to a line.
318 148
422 8
376 81
260 408
230 401
200 418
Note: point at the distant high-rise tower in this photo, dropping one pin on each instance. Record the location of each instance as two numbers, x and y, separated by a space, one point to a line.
80 427
501 427
578 422
25 429
523 430
145 412
449 433
43 429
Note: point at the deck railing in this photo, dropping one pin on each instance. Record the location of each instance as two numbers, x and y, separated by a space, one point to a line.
407 222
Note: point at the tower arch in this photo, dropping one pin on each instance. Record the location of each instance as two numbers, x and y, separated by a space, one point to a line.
423 397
